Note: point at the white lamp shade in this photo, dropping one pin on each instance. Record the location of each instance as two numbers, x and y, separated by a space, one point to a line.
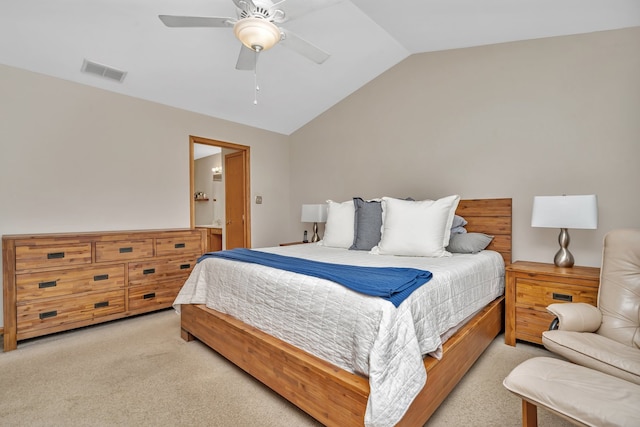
256 33
314 213
565 212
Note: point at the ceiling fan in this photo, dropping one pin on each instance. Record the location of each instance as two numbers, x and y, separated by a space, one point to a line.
256 27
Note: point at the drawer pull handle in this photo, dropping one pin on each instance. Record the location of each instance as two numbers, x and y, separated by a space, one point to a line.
100 277
48 314
149 271
179 245
51 284
149 296
55 255
562 297
184 266
101 304
126 250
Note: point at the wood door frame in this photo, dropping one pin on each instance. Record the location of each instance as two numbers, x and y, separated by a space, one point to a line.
247 181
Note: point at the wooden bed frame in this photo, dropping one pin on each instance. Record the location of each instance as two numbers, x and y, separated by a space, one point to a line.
332 395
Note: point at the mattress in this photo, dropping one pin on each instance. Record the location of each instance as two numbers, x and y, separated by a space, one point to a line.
359 333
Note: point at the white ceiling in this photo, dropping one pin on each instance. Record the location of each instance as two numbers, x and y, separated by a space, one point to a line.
194 68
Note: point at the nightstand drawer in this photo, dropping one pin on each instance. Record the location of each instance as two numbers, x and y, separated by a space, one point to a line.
123 250
55 312
531 323
540 294
68 282
42 257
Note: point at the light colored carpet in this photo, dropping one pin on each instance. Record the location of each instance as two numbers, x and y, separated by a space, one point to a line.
139 372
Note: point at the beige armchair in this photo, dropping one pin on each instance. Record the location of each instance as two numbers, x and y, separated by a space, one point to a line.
607 337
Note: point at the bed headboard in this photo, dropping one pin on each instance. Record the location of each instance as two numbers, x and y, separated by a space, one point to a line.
489 216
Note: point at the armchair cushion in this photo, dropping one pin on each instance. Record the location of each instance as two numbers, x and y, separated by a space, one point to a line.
596 352
577 317
619 295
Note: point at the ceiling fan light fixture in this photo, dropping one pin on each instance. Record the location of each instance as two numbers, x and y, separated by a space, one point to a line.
256 33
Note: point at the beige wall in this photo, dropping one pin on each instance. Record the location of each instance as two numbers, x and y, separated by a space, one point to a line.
76 158
542 117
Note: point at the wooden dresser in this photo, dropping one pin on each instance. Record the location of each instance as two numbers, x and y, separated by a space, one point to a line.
56 282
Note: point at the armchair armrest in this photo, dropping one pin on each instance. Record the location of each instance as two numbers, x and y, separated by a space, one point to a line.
577 317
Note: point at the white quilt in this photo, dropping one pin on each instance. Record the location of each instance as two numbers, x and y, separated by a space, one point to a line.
356 332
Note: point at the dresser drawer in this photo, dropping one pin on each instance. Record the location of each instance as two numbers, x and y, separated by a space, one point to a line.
51 313
122 250
155 296
141 273
540 294
167 246
51 256
68 282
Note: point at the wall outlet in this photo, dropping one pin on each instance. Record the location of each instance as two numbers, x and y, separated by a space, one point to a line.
258 200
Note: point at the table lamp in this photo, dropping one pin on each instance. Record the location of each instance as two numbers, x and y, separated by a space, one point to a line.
565 212
314 214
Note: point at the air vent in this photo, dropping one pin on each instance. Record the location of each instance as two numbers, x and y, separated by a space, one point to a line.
110 73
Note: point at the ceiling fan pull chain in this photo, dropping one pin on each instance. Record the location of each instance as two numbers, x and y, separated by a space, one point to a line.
255 78
256 88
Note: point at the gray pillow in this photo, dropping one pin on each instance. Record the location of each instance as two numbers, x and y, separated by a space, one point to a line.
458 222
367 224
468 243
458 230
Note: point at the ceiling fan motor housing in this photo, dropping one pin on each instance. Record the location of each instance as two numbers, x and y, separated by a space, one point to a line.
257 12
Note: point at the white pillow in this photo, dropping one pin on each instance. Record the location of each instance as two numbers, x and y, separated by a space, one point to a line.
416 228
339 229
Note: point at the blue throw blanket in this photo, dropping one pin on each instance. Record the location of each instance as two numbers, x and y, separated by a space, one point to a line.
394 284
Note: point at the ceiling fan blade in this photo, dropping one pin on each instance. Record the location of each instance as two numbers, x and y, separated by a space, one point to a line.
303 47
247 59
196 21
296 8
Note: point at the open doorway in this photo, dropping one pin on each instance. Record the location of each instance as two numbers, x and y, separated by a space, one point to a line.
224 196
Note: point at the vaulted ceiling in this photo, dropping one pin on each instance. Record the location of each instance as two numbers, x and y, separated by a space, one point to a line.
194 68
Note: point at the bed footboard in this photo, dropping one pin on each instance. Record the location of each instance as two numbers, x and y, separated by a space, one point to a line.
329 394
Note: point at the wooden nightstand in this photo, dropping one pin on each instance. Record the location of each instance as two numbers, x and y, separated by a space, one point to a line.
532 286
293 243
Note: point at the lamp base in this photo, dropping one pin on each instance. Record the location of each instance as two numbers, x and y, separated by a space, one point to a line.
563 257
315 237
